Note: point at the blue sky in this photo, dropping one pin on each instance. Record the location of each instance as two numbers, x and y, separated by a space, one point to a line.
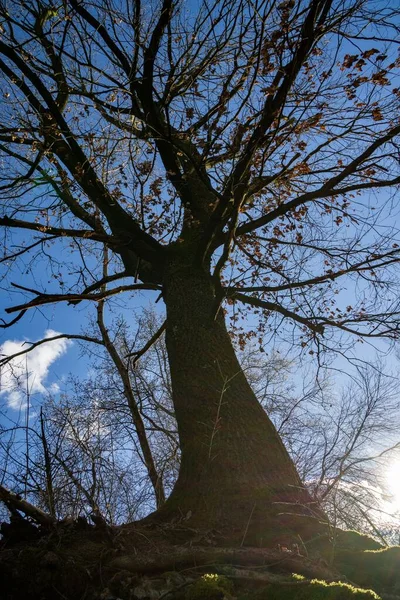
61 358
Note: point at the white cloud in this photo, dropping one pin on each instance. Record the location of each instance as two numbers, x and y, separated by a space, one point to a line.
30 370
53 388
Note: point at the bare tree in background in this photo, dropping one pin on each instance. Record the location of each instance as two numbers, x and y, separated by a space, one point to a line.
85 456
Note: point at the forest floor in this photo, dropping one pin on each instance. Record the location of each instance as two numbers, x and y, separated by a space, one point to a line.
79 561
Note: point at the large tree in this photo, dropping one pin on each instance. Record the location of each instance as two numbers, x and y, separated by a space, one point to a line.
225 155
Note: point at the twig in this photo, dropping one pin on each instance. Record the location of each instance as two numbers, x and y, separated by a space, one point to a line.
247 526
148 344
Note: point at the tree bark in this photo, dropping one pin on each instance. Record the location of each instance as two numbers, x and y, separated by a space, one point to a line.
235 473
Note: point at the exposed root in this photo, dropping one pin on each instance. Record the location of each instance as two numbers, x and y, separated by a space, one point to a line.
178 558
78 560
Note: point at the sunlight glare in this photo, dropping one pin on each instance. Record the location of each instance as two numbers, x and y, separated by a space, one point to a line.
393 483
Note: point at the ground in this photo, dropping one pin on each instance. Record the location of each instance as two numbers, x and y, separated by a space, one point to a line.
77 560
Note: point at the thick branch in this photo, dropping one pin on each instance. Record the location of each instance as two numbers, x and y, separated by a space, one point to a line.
328 189
366 265
274 307
237 183
52 298
59 231
152 49
68 150
33 345
14 500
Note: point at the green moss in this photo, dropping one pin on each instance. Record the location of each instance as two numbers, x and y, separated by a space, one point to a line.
353 540
331 540
210 587
341 590
379 569
311 590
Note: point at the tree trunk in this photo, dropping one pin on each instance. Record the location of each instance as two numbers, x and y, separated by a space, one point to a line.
235 474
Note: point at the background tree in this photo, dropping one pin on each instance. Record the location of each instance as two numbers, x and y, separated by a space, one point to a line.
81 455
222 156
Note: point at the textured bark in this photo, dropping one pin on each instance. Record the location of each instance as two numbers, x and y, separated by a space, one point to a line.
235 470
186 558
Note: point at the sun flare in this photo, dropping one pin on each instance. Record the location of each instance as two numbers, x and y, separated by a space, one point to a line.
393 483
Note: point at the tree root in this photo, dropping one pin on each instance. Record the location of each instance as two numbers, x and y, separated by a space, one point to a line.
179 558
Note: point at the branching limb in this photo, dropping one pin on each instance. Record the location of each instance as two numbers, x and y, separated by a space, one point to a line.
32 345
274 307
237 183
329 189
52 298
4 325
26 249
98 284
14 500
148 345
373 262
59 231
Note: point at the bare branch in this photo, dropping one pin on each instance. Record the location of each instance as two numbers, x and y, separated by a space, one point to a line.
14 500
148 345
32 345
52 298
274 307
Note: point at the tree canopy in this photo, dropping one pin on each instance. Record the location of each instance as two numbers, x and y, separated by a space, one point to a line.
260 133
